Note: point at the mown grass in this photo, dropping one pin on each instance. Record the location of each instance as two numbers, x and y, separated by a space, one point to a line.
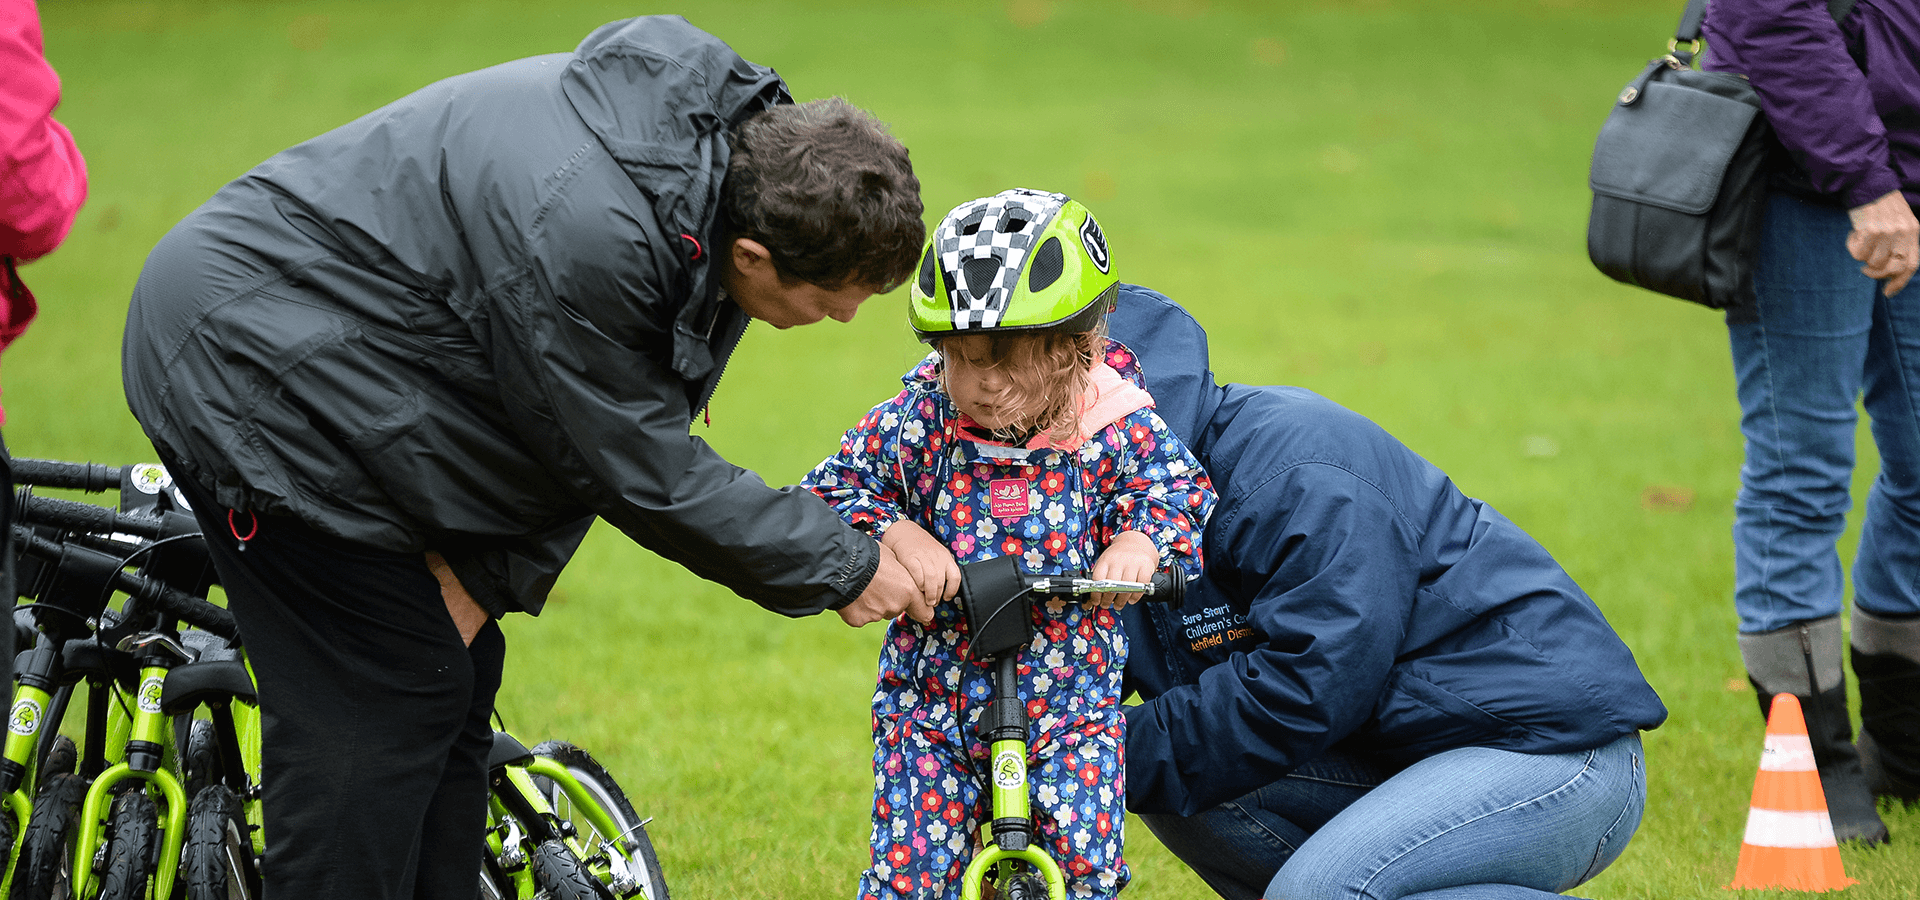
1381 200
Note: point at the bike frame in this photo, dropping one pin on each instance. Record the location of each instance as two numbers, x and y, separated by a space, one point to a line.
521 811
151 735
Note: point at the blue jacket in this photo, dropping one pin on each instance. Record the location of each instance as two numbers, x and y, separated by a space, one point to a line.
1352 597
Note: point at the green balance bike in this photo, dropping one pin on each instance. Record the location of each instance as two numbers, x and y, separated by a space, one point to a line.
998 602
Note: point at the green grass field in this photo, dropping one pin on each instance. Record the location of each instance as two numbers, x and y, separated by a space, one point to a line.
1381 200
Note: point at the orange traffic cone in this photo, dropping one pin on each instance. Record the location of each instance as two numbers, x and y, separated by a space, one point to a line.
1789 842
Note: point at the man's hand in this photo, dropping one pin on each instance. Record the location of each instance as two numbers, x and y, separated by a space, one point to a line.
890 593
934 570
468 615
1886 237
1131 557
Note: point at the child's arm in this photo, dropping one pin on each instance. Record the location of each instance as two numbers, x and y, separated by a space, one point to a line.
866 483
1151 487
931 564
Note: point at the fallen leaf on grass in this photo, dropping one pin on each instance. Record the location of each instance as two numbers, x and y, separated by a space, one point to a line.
1666 498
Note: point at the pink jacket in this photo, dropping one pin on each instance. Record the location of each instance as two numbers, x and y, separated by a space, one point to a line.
42 177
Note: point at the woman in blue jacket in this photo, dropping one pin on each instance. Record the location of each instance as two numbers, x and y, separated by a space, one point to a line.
1380 688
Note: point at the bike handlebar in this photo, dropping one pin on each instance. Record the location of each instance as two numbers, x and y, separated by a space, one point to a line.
152 592
53 473
1166 587
73 515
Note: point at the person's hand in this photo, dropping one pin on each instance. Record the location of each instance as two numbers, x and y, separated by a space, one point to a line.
1886 237
467 614
935 572
1131 557
890 593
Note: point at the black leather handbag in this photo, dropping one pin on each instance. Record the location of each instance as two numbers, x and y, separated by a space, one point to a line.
1679 178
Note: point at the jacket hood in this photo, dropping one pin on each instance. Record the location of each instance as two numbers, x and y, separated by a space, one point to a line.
1172 350
660 94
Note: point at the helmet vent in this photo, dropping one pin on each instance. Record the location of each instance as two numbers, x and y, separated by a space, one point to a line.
980 275
970 228
1047 263
926 274
1012 224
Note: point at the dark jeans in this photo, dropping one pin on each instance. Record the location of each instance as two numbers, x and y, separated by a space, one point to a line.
374 715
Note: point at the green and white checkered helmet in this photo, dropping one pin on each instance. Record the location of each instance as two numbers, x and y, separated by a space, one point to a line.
1020 260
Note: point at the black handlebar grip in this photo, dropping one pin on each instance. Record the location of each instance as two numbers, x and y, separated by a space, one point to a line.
1169 588
73 515
53 473
181 605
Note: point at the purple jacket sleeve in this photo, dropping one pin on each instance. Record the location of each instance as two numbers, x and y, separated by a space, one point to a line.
42 177
1814 94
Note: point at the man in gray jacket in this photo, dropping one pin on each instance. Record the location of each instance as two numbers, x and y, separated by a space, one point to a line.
429 347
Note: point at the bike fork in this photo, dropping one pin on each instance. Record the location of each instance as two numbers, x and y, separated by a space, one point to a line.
1012 827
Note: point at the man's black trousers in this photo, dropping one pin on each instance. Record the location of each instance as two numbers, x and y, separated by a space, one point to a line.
374 714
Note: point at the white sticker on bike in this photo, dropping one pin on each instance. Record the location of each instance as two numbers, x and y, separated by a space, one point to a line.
149 478
150 695
25 718
1009 770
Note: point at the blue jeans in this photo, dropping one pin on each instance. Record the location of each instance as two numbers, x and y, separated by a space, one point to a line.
1821 336
1468 823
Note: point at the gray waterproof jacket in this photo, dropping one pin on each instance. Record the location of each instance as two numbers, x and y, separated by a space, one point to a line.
481 315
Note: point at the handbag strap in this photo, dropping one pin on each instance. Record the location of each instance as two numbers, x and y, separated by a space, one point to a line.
1696 12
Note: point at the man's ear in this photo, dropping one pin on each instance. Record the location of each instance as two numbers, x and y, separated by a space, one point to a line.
749 255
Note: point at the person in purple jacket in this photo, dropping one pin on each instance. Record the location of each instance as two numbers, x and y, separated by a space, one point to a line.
1840 83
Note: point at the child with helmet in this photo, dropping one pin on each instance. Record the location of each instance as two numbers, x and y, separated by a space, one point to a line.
1024 433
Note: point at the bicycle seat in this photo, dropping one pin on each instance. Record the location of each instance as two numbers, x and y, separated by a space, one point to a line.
993 594
507 751
190 685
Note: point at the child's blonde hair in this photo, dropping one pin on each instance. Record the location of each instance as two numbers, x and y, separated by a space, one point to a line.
1047 372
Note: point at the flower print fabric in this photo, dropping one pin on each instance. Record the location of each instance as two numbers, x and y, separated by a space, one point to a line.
1056 508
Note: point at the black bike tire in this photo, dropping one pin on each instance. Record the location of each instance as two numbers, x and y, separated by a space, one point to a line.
217 860
199 757
1025 886
42 869
133 845
559 875
598 781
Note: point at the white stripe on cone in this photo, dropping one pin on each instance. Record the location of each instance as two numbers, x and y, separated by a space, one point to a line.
1787 753
1796 830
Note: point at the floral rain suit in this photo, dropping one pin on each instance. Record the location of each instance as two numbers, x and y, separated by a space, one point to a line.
1055 507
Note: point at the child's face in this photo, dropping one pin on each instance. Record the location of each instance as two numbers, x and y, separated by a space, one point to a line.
977 386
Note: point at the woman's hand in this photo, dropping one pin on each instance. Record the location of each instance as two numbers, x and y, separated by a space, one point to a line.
1131 557
934 570
1886 237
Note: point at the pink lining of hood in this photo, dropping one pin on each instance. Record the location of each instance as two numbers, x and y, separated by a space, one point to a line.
1109 398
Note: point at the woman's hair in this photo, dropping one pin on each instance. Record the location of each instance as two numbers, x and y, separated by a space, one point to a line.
1047 372
830 193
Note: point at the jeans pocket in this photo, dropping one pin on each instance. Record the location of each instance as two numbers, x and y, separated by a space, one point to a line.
1614 841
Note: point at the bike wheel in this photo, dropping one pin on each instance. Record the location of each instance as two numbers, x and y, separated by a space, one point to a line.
559 875
1025 886
47 846
217 861
133 847
632 835
199 758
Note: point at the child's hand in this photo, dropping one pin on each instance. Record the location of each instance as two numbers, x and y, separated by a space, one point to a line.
1131 557
931 564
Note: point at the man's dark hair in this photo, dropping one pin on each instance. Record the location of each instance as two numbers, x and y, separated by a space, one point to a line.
829 191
